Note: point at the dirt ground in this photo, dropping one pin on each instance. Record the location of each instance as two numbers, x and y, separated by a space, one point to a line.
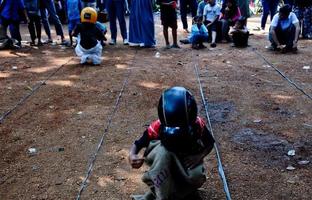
256 115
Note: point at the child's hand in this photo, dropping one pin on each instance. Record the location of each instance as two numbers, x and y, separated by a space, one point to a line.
190 162
135 161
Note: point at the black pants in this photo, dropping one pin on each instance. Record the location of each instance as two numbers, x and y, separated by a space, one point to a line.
14 28
34 27
240 39
285 37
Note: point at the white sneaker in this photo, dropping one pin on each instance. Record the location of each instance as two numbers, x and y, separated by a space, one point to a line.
112 42
125 42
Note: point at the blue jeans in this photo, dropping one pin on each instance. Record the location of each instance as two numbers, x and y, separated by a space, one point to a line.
183 9
48 5
116 9
199 39
285 37
269 7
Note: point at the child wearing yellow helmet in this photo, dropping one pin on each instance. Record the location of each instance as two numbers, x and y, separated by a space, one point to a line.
89 47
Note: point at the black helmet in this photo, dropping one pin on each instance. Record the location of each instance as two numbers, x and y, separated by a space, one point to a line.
177 112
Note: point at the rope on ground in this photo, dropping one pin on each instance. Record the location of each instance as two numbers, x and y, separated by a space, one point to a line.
33 91
220 167
283 75
94 156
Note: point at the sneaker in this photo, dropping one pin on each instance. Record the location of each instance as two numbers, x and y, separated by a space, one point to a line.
185 41
167 46
213 45
32 43
125 42
65 43
112 42
272 48
48 41
294 49
40 43
286 49
195 46
201 46
175 46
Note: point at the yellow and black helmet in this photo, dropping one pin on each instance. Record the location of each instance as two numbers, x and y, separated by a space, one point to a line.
88 15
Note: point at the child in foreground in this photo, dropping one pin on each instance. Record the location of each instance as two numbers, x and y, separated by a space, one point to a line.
176 145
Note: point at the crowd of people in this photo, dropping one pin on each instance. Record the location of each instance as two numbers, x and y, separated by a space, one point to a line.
213 21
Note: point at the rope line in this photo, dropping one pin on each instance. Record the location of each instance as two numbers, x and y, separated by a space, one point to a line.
220 167
94 156
33 90
284 76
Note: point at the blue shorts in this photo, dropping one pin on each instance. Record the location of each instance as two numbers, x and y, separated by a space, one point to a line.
72 24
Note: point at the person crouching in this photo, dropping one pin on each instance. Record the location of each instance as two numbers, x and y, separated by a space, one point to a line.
284 30
89 47
199 33
240 33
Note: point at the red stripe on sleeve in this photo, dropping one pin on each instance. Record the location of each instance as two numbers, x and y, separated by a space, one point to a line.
153 130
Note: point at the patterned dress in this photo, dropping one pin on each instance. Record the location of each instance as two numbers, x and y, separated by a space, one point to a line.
303 10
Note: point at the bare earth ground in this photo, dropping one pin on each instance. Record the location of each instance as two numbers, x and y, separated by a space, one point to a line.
257 117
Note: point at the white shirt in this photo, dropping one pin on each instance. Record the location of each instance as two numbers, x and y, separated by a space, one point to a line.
210 12
285 23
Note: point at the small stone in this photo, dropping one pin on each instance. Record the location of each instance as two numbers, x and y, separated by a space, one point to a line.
51 107
35 168
79 113
120 179
26 67
266 66
32 151
257 120
303 162
157 55
83 137
290 168
61 149
59 182
14 68
9 88
306 67
291 152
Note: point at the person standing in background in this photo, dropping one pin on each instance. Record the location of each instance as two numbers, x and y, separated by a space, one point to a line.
269 7
303 10
34 24
116 10
88 3
48 6
10 17
244 7
141 24
184 8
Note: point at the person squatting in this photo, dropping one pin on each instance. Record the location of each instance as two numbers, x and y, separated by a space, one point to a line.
176 145
89 37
